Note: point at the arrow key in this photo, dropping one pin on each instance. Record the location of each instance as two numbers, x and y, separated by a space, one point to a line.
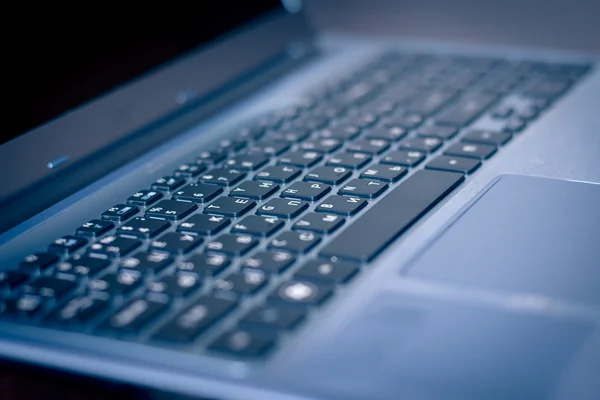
174 242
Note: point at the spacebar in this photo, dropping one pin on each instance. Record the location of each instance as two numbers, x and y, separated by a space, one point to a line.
392 215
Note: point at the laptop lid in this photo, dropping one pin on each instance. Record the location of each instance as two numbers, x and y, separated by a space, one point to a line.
92 92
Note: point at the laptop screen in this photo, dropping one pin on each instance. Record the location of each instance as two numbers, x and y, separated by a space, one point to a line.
73 57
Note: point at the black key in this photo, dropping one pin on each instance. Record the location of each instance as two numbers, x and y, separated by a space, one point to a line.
230 206
201 224
349 160
487 137
431 101
171 209
241 343
342 205
11 279
168 183
133 316
211 157
47 286
292 135
301 293
318 222
302 159
283 208
244 282
38 261
324 145
113 246
392 215
370 146
278 173
67 244
205 264
257 225
272 262
405 120
385 173
144 262
443 132
270 147
232 244
454 164
273 318
198 192
306 191
295 242
174 242
120 212
189 170
472 150
118 283
327 271
405 158
176 285
340 132
367 188
255 190
387 133
223 176
502 112
94 228
466 109
424 144
195 319
144 198
143 227
247 162
328 175
77 310
24 305
514 125
82 265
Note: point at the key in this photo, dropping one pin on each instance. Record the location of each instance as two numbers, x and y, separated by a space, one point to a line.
270 147
50 287
391 134
255 190
195 319
472 150
176 285
38 261
201 224
171 209
385 173
77 310
273 318
514 125
405 120
295 242
82 265
342 205
306 191
231 145
340 132
198 192
466 109
118 283
247 162
143 227
443 132
144 262
211 157
133 316
113 246
292 135
67 244
189 170
94 228
244 283
327 271
120 212
318 222
487 137
257 225
241 343
394 213
369 146
349 160
363 188
431 101
272 262
174 242
232 244
283 208
302 159
328 175
300 293
205 264
223 176
9 280
423 144
144 198
278 173
24 305
405 158
323 145
168 183
454 164
230 207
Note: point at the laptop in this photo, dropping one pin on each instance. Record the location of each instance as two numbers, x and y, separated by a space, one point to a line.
226 205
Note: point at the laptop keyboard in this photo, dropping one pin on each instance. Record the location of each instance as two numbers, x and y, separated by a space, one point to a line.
240 245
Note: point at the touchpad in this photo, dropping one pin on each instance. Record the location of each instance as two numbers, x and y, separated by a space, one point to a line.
524 234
